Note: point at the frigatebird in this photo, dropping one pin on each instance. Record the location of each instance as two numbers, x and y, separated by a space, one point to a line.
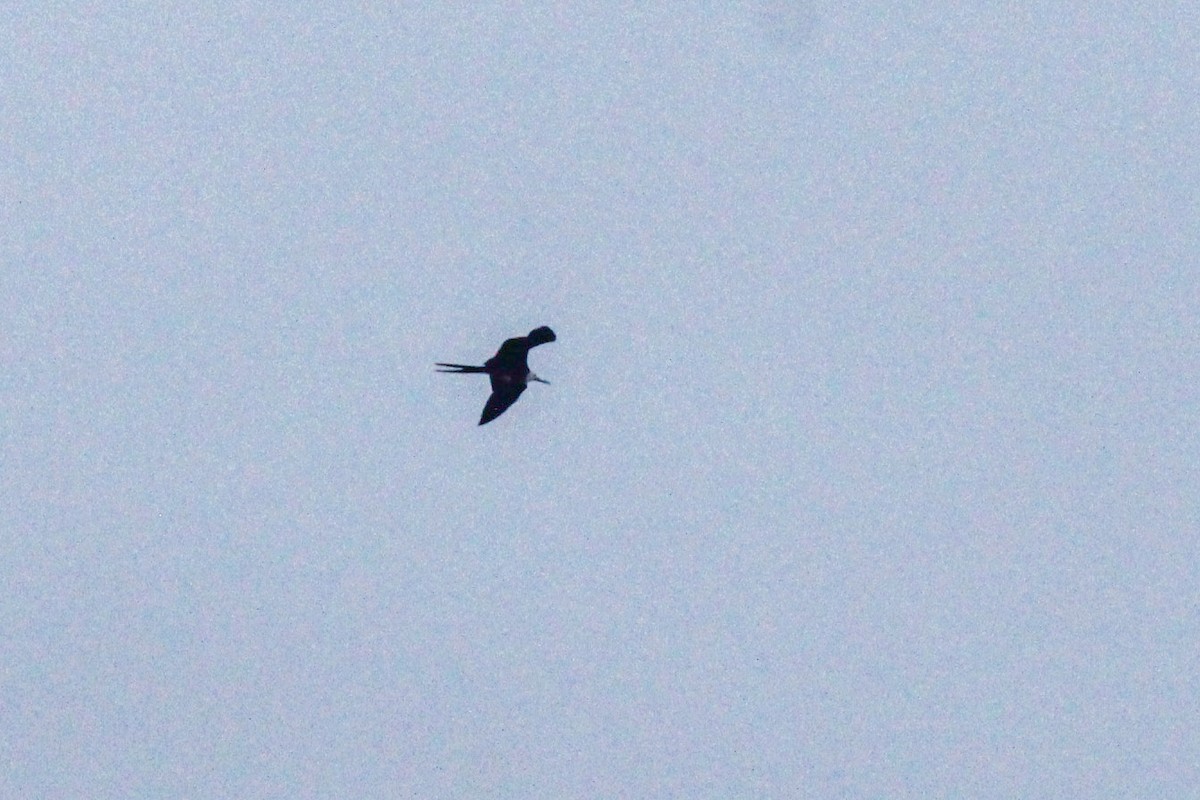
508 370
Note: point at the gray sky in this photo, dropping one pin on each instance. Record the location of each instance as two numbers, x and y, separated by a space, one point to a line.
869 467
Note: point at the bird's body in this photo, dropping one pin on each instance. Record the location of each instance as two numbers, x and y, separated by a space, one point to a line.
508 370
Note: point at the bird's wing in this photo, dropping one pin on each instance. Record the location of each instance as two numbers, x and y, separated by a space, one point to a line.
498 403
511 354
540 336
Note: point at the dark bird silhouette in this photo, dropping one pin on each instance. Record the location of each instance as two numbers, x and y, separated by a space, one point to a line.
508 370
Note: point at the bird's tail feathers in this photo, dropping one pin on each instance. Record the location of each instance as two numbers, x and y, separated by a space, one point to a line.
460 369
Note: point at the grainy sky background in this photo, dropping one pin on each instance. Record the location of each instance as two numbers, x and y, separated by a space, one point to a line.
869 468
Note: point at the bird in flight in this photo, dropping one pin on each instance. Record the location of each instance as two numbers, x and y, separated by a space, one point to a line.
508 370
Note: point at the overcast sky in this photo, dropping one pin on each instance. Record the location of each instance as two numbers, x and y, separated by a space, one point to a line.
870 467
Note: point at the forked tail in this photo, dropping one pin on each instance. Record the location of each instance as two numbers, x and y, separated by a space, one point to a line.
460 369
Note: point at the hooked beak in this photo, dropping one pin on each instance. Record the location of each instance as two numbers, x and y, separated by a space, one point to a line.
539 380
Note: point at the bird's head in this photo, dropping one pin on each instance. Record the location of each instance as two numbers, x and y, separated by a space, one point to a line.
533 377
